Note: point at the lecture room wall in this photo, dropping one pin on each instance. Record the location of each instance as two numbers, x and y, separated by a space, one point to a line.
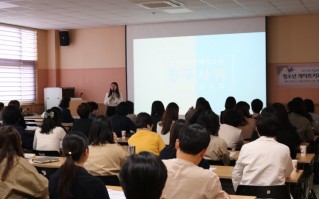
96 57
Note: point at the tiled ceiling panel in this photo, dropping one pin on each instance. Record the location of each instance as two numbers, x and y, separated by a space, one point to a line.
72 14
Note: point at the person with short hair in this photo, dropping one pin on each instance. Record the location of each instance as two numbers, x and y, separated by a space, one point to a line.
120 122
263 162
94 110
145 139
106 156
143 176
18 178
72 180
217 148
84 123
130 111
229 130
256 106
185 179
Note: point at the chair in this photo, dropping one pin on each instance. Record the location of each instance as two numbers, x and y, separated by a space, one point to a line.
112 180
273 192
47 153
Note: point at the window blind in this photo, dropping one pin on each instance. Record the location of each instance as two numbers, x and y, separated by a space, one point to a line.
18 55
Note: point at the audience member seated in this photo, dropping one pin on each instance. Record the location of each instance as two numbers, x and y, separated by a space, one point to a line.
11 118
16 104
191 111
66 113
256 106
229 130
94 110
120 122
106 156
19 179
169 152
287 133
72 180
229 105
310 107
49 136
130 111
248 125
1 110
203 107
217 148
145 139
185 179
143 176
84 123
157 112
301 119
169 116
263 162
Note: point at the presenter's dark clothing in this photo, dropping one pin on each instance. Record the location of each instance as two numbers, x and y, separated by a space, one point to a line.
86 186
83 125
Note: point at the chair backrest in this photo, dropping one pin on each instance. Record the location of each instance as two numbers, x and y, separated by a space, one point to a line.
273 192
112 180
47 153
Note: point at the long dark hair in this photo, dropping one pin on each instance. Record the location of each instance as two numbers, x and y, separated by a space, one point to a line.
170 115
10 146
74 145
174 132
101 132
117 91
52 119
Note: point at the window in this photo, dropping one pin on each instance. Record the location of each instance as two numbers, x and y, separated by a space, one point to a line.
18 55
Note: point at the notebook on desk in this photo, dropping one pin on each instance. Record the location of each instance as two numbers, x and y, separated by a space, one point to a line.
45 160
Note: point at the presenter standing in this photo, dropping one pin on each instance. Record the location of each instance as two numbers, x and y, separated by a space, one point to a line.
112 99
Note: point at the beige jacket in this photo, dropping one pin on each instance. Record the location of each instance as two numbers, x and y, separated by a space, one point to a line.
23 181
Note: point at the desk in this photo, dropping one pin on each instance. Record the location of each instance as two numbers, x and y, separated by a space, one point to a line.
118 188
54 165
225 172
307 159
36 118
122 141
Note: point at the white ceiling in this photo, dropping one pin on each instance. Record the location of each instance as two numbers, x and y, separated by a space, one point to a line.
75 14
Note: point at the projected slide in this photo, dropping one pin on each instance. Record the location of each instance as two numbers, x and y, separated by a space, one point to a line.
182 68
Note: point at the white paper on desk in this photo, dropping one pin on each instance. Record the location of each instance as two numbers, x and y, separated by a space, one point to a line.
212 168
116 194
231 154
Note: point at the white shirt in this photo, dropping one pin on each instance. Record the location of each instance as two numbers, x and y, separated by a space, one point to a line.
165 137
231 135
263 162
48 142
112 102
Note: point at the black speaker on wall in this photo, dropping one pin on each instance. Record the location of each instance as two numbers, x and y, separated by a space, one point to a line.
64 38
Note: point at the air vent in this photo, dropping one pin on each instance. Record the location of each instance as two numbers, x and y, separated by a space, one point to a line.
160 4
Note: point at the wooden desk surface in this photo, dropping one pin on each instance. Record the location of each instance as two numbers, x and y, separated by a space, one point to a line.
118 188
49 164
225 172
306 160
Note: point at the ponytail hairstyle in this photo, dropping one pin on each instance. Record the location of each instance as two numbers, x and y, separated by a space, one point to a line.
74 145
10 146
